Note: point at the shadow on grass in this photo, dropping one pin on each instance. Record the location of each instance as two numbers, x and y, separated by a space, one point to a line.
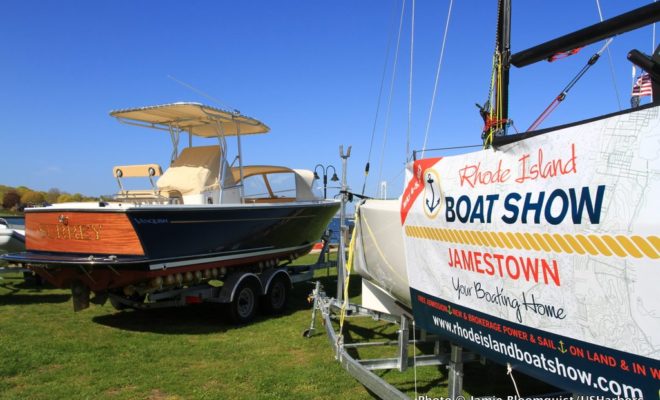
22 299
17 291
205 318
197 319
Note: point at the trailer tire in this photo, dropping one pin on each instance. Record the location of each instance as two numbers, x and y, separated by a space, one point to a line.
277 297
117 305
244 306
121 306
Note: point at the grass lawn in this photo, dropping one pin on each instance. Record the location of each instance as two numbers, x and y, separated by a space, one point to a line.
49 352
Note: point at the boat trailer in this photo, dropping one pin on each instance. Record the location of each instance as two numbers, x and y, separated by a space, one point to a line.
242 303
362 370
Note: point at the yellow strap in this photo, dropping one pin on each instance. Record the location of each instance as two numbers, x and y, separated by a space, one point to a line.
349 269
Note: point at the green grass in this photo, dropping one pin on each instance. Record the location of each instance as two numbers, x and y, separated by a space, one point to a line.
49 352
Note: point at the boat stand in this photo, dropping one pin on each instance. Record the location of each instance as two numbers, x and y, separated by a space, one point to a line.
362 370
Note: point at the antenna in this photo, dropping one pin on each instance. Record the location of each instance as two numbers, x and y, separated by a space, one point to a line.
201 93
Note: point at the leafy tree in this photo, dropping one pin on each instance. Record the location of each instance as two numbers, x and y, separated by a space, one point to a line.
32 198
64 198
21 190
52 195
11 200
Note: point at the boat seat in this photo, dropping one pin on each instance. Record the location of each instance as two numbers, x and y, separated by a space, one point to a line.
195 170
132 171
153 195
136 171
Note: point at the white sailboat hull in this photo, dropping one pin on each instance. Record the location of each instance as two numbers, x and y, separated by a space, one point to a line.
379 252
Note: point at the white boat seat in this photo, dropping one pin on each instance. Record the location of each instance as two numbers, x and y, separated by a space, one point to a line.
195 169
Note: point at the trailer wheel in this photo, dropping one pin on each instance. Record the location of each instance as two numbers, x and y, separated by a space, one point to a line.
117 305
277 297
244 306
121 306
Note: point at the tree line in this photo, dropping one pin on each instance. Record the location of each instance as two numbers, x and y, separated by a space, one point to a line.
16 199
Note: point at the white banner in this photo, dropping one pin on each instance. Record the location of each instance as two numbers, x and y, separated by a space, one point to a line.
553 235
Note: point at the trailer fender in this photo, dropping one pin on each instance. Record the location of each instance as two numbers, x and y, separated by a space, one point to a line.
268 276
229 288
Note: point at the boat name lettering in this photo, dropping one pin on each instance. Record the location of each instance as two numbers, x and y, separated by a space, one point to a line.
153 221
530 167
551 207
71 232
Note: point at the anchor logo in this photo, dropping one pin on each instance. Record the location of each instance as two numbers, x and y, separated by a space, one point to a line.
432 194
431 203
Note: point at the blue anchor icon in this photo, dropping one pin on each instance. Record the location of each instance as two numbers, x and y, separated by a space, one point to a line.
433 203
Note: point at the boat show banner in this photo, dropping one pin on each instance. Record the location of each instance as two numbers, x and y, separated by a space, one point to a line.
545 254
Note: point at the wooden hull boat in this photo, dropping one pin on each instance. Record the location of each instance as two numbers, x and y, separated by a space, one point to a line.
198 222
111 246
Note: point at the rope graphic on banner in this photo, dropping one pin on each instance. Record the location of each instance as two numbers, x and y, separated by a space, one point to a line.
608 245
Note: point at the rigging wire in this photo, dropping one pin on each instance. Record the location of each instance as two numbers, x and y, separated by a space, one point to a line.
437 78
199 92
389 101
380 95
609 57
415 356
410 79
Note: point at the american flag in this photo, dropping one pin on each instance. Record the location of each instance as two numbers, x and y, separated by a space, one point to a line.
643 86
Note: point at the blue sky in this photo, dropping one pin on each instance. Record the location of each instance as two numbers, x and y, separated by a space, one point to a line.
311 70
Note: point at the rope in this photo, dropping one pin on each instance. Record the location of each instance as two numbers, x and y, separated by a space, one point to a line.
410 79
380 95
380 252
199 92
389 101
495 79
437 78
509 371
609 57
492 110
415 351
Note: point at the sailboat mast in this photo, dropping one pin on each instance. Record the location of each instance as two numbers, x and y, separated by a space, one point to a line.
504 50
495 111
